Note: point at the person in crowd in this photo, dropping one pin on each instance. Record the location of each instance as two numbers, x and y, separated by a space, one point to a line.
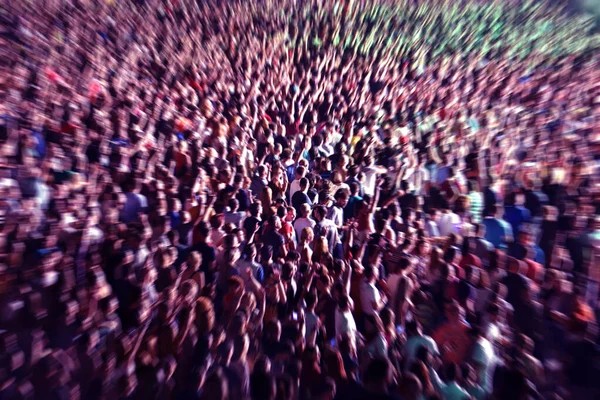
297 200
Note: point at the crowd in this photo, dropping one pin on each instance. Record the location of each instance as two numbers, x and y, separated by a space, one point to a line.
298 199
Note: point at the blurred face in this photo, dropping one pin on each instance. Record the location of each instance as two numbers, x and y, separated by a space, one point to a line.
290 216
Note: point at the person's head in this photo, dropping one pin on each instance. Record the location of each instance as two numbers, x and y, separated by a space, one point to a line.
452 255
274 223
303 184
262 364
203 230
307 235
373 325
215 386
334 365
453 311
262 171
319 213
413 328
410 387
255 209
205 316
300 172
371 273
491 210
452 372
378 375
290 214
286 388
472 185
341 198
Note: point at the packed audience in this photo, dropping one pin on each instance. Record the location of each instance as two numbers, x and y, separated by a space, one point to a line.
298 199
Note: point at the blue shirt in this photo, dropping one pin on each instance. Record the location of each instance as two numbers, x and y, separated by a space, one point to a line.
40 147
441 175
496 231
515 216
175 219
540 256
349 209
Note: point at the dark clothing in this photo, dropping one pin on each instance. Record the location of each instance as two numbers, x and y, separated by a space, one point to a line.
580 250
584 366
208 256
528 318
489 198
547 239
535 201
465 291
516 216
515 284
276 241
249 224
349 209
298 199
244 200
518 251
257 185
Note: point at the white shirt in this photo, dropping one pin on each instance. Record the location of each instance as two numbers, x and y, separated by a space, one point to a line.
134 204
377 347
234 218
414 343
483 354
392 282
344 323
310 322
294 187
432 229
302 223
454 392
449 223
449 391
370 180
369 297
336 215
420 176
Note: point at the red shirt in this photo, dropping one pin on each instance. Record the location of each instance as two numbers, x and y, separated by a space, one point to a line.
470 259
453 341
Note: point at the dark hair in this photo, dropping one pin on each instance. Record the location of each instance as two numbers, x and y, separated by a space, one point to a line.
343 302
369 271
262 386
233 204
303 183
203 228
310 299
378 370
253 209
452 372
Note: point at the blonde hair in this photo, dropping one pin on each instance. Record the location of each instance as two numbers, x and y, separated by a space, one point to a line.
307 234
